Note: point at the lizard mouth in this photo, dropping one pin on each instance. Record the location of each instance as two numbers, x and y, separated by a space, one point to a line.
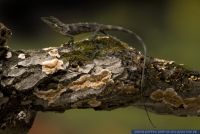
53 22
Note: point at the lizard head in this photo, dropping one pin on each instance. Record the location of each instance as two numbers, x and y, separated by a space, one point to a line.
55 23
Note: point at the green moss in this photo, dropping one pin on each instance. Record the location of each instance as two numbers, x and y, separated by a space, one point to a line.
88 50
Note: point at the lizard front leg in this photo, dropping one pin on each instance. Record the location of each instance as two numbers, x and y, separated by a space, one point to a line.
98 30
71 40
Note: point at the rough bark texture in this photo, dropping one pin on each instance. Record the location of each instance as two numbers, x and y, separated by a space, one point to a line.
102 74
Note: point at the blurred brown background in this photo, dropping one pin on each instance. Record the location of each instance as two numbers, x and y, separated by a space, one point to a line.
170 28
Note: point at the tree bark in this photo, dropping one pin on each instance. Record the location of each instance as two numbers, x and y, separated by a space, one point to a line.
103 74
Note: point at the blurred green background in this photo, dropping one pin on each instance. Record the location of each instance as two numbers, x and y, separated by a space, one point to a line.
170 28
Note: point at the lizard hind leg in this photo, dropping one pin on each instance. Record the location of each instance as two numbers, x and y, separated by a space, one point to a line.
71 40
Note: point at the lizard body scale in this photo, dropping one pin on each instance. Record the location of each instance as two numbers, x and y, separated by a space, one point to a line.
77 28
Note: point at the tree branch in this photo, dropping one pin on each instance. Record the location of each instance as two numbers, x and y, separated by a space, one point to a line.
102 74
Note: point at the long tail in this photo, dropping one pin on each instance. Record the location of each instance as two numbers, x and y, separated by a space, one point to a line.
118 28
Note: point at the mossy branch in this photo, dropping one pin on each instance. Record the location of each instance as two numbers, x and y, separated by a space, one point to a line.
103 74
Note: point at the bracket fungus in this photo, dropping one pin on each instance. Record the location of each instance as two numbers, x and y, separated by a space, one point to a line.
169 96
94 81
52 66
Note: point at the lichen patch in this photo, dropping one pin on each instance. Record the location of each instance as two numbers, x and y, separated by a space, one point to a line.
52 66
16 72
86 69
92 81
50 95
113 64
106 61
